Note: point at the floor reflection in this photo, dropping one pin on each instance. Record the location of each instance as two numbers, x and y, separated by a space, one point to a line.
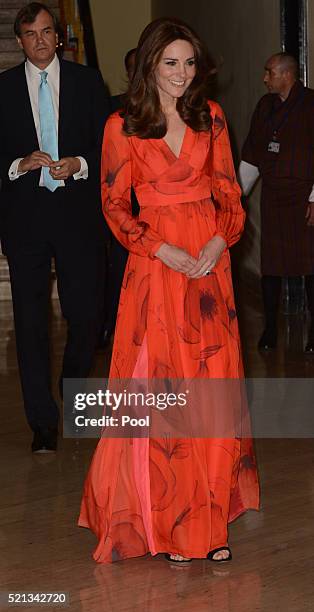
41 547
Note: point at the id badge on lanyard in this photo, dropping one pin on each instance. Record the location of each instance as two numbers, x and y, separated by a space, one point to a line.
274 145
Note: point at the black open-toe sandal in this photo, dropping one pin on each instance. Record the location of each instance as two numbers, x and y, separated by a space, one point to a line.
212 553
168 557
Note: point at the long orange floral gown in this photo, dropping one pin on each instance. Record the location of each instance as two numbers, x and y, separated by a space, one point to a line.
170 495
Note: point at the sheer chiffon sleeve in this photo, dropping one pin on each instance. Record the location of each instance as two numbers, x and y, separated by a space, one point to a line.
230 215
116 178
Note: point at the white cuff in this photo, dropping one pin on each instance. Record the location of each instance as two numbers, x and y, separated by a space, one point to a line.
13 172
247 175
83 172
311 196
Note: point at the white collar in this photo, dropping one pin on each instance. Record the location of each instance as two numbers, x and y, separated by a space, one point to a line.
53 68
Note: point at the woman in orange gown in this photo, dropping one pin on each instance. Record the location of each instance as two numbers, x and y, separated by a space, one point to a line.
176 317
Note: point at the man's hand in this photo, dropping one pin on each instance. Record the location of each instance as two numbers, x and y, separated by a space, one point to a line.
208 257
309 215
64 168
35 160
175 258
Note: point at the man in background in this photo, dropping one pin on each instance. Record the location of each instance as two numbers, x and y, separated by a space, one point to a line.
51 123
280 148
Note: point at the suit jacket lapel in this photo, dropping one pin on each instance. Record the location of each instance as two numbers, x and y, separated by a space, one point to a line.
25 109
66 105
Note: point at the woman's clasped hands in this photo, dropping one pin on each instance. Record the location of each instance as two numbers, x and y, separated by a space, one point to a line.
180 260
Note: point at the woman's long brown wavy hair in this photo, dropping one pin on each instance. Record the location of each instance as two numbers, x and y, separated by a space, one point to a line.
143 115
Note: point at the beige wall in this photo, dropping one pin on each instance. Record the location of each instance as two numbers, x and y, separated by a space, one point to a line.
117 26
240 34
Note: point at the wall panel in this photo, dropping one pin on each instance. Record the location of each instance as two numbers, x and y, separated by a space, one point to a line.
117 26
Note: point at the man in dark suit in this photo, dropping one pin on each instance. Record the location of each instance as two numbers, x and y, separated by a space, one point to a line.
51 121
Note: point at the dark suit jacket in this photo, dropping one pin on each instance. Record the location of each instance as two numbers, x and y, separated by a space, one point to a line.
83 108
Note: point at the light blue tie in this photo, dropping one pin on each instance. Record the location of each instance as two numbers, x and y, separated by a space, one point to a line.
49 141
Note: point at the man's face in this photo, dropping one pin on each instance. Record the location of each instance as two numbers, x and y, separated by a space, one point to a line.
275 77
39 39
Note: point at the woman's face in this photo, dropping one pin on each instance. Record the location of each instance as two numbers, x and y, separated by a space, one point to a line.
175 70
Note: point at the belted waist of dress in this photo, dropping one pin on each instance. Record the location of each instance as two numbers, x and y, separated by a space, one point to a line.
166 194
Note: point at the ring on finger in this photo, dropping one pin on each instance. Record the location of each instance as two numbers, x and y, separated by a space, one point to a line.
207 272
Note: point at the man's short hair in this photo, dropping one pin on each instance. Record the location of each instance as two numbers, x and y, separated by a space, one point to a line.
289 63
28 14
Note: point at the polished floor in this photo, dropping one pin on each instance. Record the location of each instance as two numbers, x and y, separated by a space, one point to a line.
42 550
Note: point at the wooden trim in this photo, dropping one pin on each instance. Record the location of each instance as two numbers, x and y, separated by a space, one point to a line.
88 33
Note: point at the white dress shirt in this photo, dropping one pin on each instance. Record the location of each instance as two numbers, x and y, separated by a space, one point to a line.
33 81
248 175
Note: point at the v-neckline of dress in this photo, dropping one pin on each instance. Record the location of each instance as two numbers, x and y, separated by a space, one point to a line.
182 144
